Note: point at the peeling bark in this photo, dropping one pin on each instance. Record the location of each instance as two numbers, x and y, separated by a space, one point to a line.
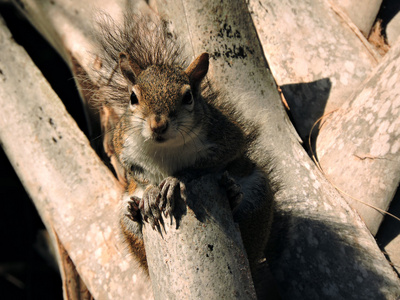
363 137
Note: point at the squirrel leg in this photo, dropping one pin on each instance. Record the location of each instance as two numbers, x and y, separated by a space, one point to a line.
251 202
130 217
132 209
160 199
131 227
255 215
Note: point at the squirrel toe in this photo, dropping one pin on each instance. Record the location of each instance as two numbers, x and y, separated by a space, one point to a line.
172 190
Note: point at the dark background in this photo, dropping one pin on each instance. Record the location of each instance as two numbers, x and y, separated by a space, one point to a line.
26 270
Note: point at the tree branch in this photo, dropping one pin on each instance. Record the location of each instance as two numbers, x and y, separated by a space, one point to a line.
358 146
72 189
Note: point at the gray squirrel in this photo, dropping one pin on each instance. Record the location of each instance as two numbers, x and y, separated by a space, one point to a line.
168 120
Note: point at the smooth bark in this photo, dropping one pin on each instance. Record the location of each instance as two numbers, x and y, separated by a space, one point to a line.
77 49
317 72
389 235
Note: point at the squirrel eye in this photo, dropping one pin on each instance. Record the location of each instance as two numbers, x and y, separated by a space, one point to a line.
187 98
134 99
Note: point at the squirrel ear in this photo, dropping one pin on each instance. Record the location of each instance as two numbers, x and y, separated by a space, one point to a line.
129 69
198 69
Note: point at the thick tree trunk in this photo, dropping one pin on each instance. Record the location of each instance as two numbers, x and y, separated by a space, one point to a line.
336 63
80 58
72 189
363 137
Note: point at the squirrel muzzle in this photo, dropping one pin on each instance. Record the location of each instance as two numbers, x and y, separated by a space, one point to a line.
158 125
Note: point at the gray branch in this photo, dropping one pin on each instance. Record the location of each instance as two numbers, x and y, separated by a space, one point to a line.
363 137
74 192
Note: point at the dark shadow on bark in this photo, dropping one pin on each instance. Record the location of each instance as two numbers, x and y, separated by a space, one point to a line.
389 9
321 272
390 227
307 103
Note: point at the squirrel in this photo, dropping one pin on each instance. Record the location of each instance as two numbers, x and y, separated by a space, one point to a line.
168 120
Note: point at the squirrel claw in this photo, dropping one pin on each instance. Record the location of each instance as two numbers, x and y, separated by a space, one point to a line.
152 224
172 189
149 205
166 213
133 210
130 217
157 201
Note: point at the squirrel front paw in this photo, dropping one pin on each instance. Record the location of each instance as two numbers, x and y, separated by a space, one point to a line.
172 190
132 209
156 200
151 205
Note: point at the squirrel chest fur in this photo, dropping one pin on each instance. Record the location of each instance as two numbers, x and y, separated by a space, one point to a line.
171 122
168 126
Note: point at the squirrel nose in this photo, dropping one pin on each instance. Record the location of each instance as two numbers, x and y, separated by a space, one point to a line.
158 124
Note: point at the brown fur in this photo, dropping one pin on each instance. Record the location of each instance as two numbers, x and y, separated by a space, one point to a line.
146 59
146 41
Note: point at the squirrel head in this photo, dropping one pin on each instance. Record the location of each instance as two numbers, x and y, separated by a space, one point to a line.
165 99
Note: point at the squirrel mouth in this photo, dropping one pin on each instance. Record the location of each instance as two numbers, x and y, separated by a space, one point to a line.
159 139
